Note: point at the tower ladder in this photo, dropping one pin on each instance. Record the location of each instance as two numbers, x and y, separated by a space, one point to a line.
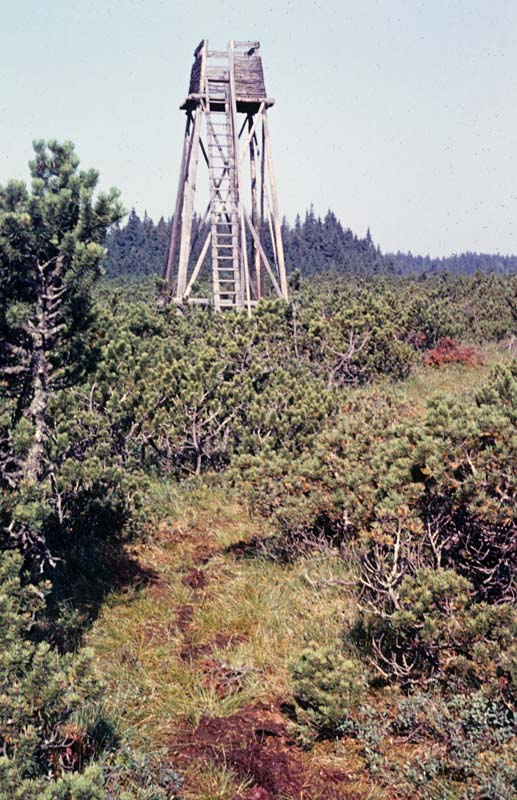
224 200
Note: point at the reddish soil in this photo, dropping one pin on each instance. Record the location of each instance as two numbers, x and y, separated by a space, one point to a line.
225 678
158 589
255 742
203 553
196 579
192 651
256 745
184 614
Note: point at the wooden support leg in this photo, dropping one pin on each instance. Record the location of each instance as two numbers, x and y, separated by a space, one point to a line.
188 207
276 214
245 266
260 274
255 255
199 264
262 253
176 222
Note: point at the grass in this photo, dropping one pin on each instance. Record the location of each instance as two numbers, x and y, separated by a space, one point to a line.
457 380
266 608
213 632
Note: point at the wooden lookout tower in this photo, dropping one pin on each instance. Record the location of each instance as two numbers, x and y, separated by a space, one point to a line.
227 127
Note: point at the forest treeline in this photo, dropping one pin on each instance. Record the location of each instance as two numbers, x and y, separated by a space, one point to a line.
102 393
313 245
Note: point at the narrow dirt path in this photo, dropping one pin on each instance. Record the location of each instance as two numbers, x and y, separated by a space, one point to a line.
202 654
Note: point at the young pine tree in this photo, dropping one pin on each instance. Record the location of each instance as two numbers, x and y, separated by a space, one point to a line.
51 251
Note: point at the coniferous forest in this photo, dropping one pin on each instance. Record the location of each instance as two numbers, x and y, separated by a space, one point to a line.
264 558
313 246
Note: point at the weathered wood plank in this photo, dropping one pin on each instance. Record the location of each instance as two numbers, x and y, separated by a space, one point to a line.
255 255
276 212
176 222
251 132
263 254
188 206
219 75
199 264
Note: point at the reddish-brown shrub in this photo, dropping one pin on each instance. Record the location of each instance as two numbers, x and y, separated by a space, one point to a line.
450 351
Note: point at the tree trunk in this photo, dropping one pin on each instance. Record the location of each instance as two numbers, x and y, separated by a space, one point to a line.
33 468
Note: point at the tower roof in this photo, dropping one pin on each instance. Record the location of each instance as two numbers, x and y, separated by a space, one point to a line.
240 63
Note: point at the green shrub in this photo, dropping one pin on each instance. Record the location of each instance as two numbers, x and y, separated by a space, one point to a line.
435 632
51 725
86 786
326 687
40 690
470 745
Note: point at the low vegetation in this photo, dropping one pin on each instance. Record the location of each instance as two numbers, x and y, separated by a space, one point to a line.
248 559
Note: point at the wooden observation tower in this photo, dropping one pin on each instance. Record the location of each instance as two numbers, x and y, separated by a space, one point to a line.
227 127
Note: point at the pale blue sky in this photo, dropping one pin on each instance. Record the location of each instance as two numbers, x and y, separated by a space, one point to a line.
397 114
